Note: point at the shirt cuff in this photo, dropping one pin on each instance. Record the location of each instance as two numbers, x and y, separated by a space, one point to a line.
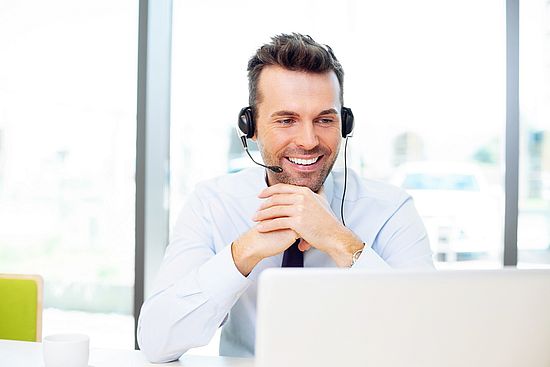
220 279
369 259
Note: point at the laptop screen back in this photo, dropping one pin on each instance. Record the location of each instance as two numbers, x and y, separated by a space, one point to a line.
335 317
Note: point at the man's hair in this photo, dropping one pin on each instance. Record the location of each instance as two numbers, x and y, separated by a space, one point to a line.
294 52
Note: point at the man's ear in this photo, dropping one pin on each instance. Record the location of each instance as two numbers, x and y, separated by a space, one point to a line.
254 138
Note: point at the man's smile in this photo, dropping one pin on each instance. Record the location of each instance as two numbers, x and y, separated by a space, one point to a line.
307 164
303 161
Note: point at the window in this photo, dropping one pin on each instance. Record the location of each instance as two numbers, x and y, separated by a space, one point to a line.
418 96
67 159
534 177
428 95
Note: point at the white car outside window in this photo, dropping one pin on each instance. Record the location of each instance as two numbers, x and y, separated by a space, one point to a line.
462 213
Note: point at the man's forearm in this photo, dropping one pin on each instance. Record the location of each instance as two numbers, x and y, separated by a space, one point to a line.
244 260
346 244
252 246
187 313
163 338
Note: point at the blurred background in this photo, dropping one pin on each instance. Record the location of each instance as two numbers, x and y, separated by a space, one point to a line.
426 81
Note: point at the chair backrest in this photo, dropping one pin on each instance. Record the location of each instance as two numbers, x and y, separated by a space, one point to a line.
21 307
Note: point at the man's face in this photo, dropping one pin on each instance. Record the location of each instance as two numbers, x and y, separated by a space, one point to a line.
298 125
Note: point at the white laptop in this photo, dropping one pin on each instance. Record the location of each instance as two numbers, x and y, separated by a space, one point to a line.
348 318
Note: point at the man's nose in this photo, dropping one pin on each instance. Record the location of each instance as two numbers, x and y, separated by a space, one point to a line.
307 136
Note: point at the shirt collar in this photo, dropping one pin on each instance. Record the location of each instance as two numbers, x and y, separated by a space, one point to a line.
327 191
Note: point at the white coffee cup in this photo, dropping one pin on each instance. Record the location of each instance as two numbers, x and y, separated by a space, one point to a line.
66 350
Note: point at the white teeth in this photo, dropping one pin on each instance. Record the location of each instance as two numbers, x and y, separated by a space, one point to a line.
303 162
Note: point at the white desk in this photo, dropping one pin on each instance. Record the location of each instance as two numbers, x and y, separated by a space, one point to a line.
27 354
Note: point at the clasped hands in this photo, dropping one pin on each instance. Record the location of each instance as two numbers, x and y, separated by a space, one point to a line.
287 213
298 208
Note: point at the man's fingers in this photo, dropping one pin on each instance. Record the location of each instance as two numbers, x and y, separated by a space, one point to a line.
281 199
303 246
274 225
281 188
274 212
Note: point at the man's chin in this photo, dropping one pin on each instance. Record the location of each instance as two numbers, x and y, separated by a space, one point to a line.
314 181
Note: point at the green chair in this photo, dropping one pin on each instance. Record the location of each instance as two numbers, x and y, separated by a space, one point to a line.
21 307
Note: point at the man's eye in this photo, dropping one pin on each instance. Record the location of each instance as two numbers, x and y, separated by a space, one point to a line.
286 121
326 121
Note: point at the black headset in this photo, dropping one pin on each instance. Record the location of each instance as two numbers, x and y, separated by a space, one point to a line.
247 125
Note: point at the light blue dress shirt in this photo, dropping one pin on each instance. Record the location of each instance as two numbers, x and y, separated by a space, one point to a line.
199 288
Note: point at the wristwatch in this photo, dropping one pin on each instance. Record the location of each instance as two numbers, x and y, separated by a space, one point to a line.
356 255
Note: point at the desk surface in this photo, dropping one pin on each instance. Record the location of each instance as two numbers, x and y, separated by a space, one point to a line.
28 354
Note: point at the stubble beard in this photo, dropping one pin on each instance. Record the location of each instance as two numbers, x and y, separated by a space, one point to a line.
313 180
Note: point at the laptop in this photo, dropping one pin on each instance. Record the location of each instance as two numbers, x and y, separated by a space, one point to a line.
348 318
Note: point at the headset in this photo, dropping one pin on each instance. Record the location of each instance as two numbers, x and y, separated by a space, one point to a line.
246 128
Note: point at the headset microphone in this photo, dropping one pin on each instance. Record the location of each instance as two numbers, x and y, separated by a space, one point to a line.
275 169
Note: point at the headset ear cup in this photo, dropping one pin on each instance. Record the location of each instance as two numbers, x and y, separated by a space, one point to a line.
347 121
246 122
251 123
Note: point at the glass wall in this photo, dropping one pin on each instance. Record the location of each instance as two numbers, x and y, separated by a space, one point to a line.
428 95
67 159
426 82
534 179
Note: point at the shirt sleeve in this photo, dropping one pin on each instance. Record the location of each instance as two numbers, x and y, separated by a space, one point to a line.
402 242
194 290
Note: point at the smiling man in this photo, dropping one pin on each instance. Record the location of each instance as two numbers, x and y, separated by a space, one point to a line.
235 226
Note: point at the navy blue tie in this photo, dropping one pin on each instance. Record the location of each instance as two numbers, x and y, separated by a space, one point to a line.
293 257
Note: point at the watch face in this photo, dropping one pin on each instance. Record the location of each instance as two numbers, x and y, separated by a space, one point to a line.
355 256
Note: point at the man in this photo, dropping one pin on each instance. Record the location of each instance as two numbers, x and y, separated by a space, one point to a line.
235 226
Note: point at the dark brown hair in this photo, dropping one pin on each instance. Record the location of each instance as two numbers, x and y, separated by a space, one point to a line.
294 52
